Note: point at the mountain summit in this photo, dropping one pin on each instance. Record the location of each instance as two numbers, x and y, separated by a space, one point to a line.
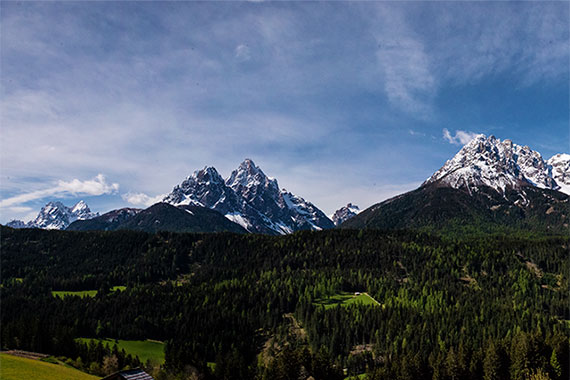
344 213
251 199
489 185
501 165
57 216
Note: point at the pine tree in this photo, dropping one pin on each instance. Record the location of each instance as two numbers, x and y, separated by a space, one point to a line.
491 364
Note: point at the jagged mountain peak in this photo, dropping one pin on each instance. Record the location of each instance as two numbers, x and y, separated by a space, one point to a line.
55 215
208 174
247 176
559 166
501 165
344 213
250 198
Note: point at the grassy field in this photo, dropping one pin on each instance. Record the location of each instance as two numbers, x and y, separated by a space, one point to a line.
83 293
345 299
144 349
80 293
16 368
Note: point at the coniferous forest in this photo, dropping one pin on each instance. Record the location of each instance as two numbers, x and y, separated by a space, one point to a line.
477 307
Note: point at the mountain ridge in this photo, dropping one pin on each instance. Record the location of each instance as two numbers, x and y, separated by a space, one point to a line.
251 199
489 185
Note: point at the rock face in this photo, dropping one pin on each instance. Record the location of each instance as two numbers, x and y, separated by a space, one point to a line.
249 198
501 165
344 213
56 216
559 166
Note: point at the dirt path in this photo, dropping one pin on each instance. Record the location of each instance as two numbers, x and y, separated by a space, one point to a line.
26 354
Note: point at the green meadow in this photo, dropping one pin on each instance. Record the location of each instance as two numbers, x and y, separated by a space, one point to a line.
345 299
83 293
17 368
144 349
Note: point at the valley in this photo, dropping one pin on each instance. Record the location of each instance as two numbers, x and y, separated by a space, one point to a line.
462 278
443 300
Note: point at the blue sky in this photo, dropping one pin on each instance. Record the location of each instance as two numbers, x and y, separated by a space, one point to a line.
116 102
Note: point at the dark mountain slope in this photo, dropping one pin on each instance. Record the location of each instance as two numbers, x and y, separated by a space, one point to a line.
165 217
435 207
160 217
107 222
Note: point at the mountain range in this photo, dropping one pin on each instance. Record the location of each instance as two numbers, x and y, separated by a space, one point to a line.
56 216
488 182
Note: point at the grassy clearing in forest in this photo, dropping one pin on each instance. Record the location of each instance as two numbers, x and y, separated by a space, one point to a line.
80 293
17 368
345 299
144 349
83 293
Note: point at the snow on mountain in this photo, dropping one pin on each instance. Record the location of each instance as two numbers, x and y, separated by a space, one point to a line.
205 188
16 224
305 214
498 164
559 166
251 199
57 216
344 213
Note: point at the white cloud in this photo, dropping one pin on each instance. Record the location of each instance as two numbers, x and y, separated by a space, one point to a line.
141 199
415 133
75 187
460 138
242 53
408 79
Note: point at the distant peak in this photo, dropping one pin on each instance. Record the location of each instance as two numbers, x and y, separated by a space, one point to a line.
248 162
80 205
250 168
208 174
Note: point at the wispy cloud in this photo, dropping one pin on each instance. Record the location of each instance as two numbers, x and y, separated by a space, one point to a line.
415 133
75 187
141 199
242 53
151 97
408 79
528 43
460 138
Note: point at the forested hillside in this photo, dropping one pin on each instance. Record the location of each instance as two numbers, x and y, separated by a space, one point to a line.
492 307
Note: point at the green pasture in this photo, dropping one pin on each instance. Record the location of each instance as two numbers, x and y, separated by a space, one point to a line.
345 299
17 368
144 349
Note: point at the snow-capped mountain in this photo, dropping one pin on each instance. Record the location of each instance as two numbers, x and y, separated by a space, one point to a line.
559 166
344 213
251 199
17 224
57 216
501 165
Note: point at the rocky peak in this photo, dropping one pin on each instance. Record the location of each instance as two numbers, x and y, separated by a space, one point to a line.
344 213
251 199
498 164
559 168
55 215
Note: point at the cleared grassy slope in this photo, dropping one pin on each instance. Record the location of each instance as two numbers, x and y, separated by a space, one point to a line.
16 368
144 349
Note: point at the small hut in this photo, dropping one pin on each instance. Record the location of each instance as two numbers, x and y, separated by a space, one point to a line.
131 374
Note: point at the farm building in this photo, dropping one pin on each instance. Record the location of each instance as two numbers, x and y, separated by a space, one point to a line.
131 374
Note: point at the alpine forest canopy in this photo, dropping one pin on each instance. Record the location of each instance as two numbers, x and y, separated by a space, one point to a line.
324 305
